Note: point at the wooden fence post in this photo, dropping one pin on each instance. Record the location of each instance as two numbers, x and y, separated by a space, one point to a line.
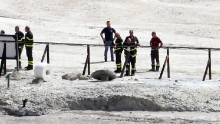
87 61
88 52
85 66
210 65
164 65
206 70
168 63
48 54
3 62
5 55
45 51
124 66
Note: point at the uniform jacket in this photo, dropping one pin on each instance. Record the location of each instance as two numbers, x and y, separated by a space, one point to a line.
119 45
20 37
133 46
29 39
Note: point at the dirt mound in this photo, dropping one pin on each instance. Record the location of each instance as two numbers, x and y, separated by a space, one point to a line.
114 103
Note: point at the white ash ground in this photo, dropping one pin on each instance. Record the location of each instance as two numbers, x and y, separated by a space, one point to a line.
178 23
100 117
126 94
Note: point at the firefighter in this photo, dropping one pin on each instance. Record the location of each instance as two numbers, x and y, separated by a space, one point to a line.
131 42
155 44
29 47
118 51
20 36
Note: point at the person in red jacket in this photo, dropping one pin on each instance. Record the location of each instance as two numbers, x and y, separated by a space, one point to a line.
155 44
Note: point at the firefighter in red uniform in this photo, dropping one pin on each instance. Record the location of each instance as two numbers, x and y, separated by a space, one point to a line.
20 39
118 51
29 47
155 44
131 42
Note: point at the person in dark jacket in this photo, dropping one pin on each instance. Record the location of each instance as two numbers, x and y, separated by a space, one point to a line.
29 47
155 44
2 32
131 42
118 51
20 39
108 39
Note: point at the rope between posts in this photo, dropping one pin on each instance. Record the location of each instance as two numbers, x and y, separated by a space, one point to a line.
101 45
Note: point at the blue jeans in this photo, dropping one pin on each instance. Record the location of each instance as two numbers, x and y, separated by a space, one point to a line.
107 45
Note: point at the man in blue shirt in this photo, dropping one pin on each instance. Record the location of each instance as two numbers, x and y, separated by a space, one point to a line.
108 39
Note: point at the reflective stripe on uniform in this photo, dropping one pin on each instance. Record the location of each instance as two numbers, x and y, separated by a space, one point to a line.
134 55
158 64
29 45
21 39
133 49
118 65
30 62
118 49
29 39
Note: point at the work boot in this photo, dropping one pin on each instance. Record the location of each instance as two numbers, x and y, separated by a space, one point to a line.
157 68
133 73
29 67
153 68
118 70
126 74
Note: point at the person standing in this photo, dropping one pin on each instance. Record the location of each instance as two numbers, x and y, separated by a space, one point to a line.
155 44
2 32
131 42
118 51
20 36
108 39
29 47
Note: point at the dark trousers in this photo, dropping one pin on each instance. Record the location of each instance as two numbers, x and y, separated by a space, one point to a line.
155 55
20 49
132 62
118 59
29 56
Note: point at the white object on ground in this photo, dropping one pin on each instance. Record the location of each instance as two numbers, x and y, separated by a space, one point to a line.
42 71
